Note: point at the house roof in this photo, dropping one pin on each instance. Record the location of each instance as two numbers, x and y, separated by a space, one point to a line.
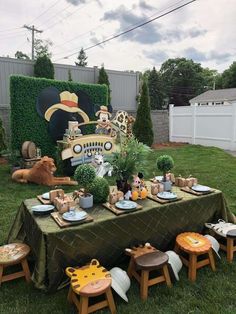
215 95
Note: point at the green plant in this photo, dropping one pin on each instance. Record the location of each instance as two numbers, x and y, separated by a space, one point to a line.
69 76
103 79
26 124
165 163
99 188
85 175
143 124
82 58
2 137
43 67
14 158
131 159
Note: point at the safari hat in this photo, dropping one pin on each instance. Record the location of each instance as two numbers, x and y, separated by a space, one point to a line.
215 244
120 282
68 103
175 262
103 109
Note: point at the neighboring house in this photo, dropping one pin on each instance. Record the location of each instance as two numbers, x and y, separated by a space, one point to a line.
215 97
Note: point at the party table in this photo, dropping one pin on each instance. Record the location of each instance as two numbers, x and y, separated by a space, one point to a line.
53 248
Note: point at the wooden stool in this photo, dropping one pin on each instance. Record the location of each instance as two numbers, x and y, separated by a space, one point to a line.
195 245
230 246
12 254
145 259
90 281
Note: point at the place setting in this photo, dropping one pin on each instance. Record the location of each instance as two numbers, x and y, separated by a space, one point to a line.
197 189
44 198
122 207
71 217
164 197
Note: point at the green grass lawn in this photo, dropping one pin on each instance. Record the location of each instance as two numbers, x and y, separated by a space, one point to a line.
212 292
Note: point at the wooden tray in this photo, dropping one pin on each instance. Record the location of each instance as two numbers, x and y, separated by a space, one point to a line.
63 224
118 211
43 201
161 201
190 191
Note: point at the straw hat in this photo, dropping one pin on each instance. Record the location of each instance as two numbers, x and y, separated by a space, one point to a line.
120 282
103 109
175 262
69 103
215 244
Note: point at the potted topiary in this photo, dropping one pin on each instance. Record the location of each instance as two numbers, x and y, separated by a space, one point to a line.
85 175
165 163
100 190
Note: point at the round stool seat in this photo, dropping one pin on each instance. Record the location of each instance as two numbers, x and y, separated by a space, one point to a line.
192 242
151 261
13 253
231 234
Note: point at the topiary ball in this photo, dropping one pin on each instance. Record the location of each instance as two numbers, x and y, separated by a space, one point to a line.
99 189
85 174
165 163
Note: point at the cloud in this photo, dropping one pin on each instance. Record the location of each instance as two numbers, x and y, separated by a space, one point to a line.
196 55
199 56
158 56
179 34
145 6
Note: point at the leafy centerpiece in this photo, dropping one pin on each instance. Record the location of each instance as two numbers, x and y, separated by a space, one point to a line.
165 163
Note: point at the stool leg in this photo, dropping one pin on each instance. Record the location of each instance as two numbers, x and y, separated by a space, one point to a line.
110 301
69 296
192 270
230 253
83 305
26 270
130 268
167 275
1 272
212 260
177 249
144 284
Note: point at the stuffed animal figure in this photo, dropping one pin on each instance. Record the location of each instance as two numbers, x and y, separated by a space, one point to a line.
102 168
139 189
42 173
104 124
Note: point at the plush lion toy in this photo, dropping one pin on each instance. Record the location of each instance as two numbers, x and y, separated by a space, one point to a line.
42 173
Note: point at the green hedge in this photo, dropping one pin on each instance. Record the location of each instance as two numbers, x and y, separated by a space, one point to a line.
26 124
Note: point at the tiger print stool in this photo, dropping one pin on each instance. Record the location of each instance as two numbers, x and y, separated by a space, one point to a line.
145 259
90 281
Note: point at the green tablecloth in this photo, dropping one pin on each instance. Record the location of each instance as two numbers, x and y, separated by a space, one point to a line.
108 235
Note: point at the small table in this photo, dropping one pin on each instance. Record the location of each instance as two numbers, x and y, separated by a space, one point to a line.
194 244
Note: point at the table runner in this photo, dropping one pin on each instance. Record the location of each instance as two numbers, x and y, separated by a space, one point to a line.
105 239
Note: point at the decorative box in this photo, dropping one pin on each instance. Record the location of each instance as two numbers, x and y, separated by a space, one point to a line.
56 193
64 203
179 181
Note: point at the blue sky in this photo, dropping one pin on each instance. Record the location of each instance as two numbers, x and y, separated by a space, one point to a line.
203 31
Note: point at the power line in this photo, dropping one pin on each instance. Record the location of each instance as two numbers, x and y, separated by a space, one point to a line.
33 30
53 5
9 30
133 28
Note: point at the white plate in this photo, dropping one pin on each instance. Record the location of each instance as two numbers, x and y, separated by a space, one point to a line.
77 216
126 204
46 196
167 195
201 188
159 178
42 208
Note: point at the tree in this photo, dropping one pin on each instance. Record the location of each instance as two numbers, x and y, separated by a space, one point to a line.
69 76
143 124
155 91
103 79
43 67
210 78
41 48
82 58
21 55
2 137
229 76
182 80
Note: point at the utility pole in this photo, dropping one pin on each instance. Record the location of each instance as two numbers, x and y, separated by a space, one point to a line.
32 29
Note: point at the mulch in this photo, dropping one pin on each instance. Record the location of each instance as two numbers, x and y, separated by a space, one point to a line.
3 161
168 145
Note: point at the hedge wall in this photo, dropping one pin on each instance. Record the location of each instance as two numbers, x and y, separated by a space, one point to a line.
26 124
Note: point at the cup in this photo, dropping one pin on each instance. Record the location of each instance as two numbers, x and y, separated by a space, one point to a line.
72 211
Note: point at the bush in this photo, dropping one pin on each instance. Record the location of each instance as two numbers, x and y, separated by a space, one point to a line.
85 175
100 190
143 124
2 137
103 79
165 163
26 124
43 67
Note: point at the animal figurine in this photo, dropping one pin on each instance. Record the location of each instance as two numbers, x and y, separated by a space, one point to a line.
139 189
42 173
102 167
104 124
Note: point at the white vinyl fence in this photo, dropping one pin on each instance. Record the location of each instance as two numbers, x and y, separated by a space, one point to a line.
204 125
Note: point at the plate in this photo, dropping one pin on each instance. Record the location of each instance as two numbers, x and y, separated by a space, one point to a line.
126 204
200 188
41 209
46 196
159 178
77 216
167 195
